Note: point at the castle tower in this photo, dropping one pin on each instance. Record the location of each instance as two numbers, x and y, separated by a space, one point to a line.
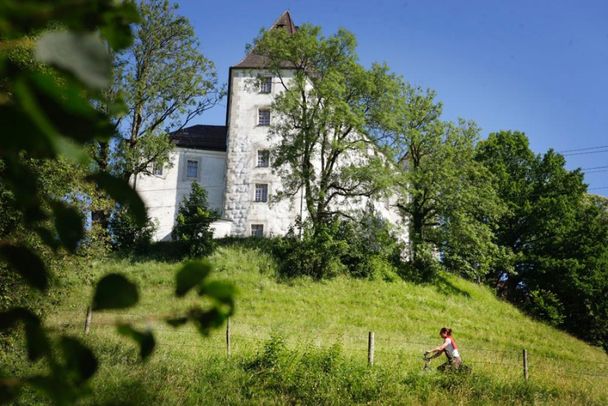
250 182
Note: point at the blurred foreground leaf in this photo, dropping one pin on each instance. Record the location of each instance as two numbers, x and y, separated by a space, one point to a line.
114 291
145 339
26 263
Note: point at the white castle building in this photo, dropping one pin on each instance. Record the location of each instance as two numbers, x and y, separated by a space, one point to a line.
232 163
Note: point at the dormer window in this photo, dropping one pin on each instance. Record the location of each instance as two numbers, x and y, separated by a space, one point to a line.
265 84
264 117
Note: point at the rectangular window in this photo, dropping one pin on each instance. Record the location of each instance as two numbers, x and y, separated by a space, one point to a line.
157 169
257 230
265 84
192 169
261 192
264 117
263 158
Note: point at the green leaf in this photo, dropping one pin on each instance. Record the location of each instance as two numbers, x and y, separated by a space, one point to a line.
117 30
114 291
48 237
69 224
176 321
206 320
82 54
222 292
9 318
121 191
37 343
191 275
9 389
54 387
145 339
79 359
26 263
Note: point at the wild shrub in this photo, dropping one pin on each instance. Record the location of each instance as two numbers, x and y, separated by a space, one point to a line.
128 236
362 248
315 253
372 250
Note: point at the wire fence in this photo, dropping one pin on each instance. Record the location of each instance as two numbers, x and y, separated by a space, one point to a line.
239 336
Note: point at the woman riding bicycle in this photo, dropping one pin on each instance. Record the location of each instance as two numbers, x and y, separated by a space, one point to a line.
450 349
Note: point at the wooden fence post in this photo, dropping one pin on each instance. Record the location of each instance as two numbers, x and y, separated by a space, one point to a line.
370 349
87 320
525 362
228 349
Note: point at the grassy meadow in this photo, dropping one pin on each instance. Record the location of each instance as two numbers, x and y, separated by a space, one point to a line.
301 341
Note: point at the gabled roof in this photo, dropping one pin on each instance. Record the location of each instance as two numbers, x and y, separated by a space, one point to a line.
258 61
208 137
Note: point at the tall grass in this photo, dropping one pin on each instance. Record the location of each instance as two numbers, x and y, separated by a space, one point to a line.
305 341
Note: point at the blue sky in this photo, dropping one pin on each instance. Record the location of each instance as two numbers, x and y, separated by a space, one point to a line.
537 66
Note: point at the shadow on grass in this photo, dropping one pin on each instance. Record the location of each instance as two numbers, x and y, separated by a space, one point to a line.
430 277
162 251
446 287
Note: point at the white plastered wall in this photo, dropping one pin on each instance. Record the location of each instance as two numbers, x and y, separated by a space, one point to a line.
245 138
162 194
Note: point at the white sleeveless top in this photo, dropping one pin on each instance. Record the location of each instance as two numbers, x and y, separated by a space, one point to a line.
450 351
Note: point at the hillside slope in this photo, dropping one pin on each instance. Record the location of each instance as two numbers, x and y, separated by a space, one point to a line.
311 316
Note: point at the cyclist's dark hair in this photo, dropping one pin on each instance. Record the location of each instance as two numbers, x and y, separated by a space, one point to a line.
446 330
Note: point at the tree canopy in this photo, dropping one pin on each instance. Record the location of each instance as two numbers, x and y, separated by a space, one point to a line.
557 235
325 117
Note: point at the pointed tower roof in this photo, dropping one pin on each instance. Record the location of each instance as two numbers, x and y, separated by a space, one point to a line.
285 22
252 60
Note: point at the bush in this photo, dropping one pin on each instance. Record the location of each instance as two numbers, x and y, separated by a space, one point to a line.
315 254
546 305
363 249
372 251
126 235
192 223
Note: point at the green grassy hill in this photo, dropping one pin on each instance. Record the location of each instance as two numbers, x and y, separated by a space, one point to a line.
319 350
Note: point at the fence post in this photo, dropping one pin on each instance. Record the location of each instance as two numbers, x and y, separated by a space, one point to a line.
525 361
370 349
87 320
228 349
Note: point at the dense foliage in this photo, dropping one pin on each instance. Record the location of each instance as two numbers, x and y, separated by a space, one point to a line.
164 82
556 233
323 120
49 99
126 234
363 247
192 224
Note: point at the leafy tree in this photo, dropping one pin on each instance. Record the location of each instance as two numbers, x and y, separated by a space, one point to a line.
193 220
165 82
558 236
328 112
448 199
540 195
48 108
